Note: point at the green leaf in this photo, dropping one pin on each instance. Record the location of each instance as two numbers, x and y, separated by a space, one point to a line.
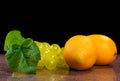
13 37
23 58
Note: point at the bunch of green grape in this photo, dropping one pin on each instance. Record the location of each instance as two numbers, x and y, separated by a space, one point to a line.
51 56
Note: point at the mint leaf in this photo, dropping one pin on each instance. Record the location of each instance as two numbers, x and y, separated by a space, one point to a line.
23 58
13 37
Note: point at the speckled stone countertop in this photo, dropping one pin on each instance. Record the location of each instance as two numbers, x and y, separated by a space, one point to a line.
97 73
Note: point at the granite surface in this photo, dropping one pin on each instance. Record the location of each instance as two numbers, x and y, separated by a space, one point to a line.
97 73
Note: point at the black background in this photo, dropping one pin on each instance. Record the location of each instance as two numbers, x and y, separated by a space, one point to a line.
57 25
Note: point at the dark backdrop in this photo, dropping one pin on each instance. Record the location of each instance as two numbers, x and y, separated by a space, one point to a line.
58 27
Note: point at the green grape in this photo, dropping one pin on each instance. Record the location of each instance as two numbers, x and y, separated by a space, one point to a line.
44 47
55 48
37 43
51 56
41 64
45 50
50 62
60 60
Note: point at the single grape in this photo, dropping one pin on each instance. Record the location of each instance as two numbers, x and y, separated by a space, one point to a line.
50 62
55 48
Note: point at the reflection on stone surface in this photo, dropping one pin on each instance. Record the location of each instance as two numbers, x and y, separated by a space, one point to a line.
45 75
21 77
27 78
97 73
104 74
41 75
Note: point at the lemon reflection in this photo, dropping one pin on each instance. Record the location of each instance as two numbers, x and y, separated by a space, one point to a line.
104 74
98 73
